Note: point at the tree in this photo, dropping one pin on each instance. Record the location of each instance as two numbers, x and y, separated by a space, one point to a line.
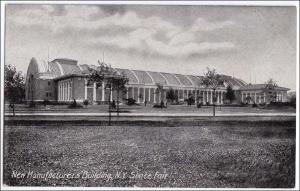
160 91
86 103
270 90
229 95
14 85
118 82
212 80
171 95
112 79
292 98
248 99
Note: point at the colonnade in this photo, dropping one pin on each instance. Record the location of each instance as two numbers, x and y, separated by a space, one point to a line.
65 90
260 97
151 95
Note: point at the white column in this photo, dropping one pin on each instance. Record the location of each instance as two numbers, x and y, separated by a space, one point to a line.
111 92
159 97
264 97
63 91
71 92
221 97
149 98
154 95
138 95
58 92
58 96
242 96
132 92
94 92
127 96
211 96
85 89
144 94
68 91
178 94
195 96
103 92
203 94
255 97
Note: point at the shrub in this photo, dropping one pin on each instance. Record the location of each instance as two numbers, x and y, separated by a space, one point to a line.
131 101
86 102
46 102
159 106
199 105
74 105
254 105
32 104
262 104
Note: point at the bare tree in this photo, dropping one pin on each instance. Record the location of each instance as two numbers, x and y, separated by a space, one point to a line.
212 80
270 90
112 79
160 91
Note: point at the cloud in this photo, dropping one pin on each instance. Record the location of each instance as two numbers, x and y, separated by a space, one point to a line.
131 31
203 25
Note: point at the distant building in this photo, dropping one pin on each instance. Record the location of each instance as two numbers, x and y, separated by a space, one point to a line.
64 80
257 93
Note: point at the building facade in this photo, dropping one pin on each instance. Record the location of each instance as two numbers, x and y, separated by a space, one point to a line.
64 80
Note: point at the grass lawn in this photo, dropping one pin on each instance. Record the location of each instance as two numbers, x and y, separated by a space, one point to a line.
224 154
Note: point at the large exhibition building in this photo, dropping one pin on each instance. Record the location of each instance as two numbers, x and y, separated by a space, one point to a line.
64 80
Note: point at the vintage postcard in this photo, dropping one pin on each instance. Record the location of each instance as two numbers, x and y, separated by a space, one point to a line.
148 95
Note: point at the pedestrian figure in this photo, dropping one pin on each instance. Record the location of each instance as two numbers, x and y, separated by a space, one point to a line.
145 102
12 106
113 105
161 104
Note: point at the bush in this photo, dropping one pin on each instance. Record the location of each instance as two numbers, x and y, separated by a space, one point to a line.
74 105
190 101
32 104
254 105
46 102
86 102
243 104
199 105
131 101
262 104
159 106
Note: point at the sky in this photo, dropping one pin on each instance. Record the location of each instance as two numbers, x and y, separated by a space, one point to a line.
248 42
